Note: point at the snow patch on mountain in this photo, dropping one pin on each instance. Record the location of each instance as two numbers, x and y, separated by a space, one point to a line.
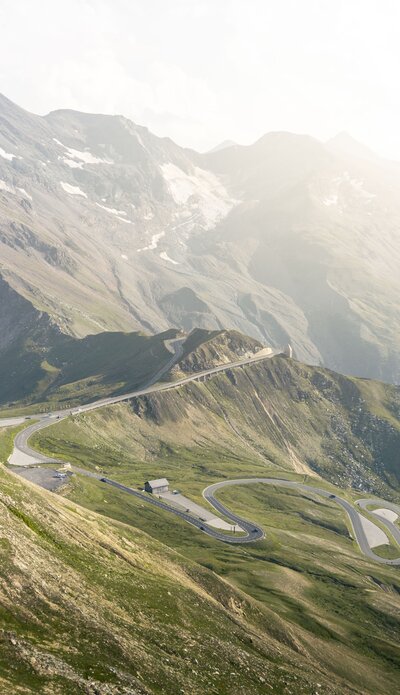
122 219
165 257
73 190
116 213
83 157
153 243
25 194
8 155
71 164
113 211
202 190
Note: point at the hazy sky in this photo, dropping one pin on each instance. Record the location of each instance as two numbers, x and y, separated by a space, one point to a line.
203 71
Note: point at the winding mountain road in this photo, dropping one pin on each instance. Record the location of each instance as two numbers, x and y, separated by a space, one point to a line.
24 455
354 516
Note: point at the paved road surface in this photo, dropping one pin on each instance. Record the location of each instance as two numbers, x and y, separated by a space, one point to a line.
252 532
354 516
24 455
390 525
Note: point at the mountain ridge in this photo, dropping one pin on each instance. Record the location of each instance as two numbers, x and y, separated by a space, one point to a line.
282 240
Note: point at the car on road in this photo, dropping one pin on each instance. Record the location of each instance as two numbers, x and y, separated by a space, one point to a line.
332 497
103 480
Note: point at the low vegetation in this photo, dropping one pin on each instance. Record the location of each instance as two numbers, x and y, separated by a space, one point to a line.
279 419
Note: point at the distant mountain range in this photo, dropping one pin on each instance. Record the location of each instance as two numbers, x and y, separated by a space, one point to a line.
106 227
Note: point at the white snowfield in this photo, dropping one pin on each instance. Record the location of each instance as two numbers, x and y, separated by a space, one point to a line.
83 157
208 194
387 514
72 190
153 243
8 155
117 213
71 164
24 193
164 256
375 535
113 211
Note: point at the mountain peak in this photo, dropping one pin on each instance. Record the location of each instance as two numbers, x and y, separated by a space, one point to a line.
344 144
222 146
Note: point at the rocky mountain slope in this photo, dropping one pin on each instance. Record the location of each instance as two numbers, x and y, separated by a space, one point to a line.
281 413
105 226
42 368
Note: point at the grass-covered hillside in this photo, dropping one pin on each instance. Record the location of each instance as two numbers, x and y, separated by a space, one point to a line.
279 418
91 605
278 414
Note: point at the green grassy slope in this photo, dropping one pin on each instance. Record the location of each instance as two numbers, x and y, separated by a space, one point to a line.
91 605
277 413
276 418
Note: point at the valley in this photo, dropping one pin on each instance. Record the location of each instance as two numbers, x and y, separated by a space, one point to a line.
105 227
241 423
225 323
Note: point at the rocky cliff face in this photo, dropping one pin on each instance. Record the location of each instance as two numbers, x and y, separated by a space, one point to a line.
107 227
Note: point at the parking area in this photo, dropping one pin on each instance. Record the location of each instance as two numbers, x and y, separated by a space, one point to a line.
45 476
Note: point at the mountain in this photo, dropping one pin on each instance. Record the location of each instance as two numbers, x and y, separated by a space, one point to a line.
106 227
223 145
90 605
331 612
344 144
43 368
